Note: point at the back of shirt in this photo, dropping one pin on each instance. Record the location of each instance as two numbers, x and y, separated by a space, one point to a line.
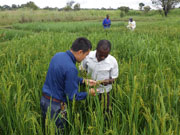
62 79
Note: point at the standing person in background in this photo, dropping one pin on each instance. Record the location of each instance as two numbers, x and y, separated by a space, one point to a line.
107 22
62 81
103 68
131 24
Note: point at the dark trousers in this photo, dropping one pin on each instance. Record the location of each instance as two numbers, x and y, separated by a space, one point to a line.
104 98
55 110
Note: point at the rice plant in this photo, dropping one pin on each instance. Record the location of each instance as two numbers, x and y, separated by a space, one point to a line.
144 99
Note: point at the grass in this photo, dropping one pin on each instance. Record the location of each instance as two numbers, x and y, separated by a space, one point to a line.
144 98
28 15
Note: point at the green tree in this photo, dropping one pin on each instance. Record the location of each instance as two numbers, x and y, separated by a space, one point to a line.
6 7
14 6
69 5
67 8
77 6
124 9
141 5
167 5
147 9
103 8
122 14
31 5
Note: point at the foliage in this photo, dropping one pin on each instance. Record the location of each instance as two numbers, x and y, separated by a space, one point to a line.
67 8
167 5
14 6
147 9
141 5
124 9
30 5
122 14
77 6
144 99
5 7
70 3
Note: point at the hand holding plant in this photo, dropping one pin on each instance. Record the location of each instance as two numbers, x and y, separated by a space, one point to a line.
89 82
93 91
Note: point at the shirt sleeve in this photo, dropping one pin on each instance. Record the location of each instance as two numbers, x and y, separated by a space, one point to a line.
72 85
134 24
115 70
104 21
83 65
80 80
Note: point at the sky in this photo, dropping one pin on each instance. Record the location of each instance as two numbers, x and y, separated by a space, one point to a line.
133 4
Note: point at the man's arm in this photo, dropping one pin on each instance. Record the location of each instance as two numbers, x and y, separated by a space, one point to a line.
89 82
107 81
72 85
104 22
109 23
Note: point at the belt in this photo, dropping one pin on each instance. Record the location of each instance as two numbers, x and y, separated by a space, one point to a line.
63 104
53 99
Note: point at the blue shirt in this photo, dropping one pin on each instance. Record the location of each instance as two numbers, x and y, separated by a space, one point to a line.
62 79
106 23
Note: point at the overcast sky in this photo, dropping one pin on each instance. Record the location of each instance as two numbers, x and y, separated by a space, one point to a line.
84 3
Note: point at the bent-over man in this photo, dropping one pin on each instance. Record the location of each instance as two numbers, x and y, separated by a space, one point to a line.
62 81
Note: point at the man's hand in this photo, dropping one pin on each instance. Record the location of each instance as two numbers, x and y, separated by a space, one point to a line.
89 82
92 91
107 81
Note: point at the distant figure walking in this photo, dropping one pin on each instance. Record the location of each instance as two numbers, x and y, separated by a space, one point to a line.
131 24
106 22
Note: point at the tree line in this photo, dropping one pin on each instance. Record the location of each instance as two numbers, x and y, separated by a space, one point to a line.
69 6
163 5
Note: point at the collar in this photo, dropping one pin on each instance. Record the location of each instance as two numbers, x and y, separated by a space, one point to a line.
71 56
92 55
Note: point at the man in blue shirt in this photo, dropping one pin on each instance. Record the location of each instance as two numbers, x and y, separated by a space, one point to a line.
107 22
62 81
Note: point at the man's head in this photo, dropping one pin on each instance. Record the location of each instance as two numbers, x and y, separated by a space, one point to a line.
107 16
130 19
103 49
81 48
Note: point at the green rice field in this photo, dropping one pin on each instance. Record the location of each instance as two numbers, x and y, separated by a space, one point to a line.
145 97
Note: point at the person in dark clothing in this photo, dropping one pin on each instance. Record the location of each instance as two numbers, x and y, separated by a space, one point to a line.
106 22
62 81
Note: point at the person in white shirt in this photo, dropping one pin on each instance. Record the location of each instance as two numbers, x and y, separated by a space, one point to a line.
103 68
131 24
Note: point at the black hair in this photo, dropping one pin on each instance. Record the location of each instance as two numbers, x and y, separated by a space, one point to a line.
130 19
81 43
104 44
